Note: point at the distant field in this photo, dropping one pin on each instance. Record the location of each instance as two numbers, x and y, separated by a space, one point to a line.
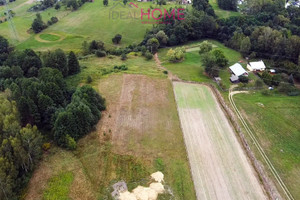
222 13
23 20
275 122
91 21
49 37
219 166
192 69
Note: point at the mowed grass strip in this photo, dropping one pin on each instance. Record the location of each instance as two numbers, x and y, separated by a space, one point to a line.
219 166
275 122
49 37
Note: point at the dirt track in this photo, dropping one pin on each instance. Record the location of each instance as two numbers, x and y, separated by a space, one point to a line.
219 166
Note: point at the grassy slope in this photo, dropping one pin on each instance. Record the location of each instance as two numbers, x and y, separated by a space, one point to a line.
95 67
91 21
23 21
222 13
191 68
278 131
95 165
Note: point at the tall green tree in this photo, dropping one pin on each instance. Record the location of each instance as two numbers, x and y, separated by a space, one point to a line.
228 4
220 59
38 25
4 49
73 64
245 46
57 60
153 45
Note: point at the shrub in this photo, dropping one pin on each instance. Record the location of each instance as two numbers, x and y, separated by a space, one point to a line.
100 53
57 6
259 83
123 56
54 20
165 72
159 165
89 79
121 67
148 55
117 39
46 146
244 79
175 55
205 47
70 143
266 92
288 89
267 78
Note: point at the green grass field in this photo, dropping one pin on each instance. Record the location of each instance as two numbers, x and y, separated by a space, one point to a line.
58 186
91 21
275 121
222 13
49 37
191 68
99 68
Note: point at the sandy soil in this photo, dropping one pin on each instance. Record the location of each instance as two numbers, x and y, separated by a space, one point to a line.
219 166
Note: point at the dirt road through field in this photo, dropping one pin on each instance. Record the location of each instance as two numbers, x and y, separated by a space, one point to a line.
219 166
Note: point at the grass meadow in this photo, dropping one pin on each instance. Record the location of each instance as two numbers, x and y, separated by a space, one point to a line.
92 21
275 122
191 67
98 68
222 13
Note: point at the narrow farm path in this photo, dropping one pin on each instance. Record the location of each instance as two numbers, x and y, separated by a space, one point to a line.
171 76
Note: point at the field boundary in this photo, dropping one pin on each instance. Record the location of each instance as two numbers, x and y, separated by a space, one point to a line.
267 183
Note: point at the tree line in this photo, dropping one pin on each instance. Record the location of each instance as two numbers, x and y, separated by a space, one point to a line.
39 99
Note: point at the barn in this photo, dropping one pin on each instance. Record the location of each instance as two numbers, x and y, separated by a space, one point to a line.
238 70
256 66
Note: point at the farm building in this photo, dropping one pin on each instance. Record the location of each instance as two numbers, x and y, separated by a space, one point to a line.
234 79
238 70
256 66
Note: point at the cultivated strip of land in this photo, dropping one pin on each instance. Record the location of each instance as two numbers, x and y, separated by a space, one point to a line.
219 166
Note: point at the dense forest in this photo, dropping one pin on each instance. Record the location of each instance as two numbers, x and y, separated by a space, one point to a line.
38 107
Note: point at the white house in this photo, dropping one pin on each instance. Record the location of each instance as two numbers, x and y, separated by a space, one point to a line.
238 70
256 66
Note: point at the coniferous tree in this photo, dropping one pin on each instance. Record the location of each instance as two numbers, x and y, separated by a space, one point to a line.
73 64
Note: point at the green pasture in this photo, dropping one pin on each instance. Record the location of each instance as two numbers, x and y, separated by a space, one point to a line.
92 21
275 122
222 13
191 67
